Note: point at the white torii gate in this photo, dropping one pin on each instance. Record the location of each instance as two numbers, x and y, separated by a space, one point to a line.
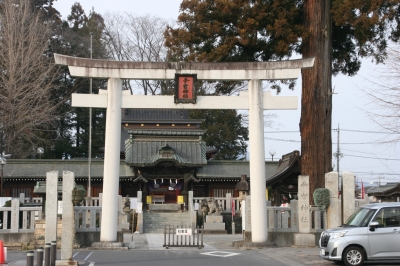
255 100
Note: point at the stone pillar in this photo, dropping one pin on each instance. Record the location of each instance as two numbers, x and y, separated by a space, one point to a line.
120 211
294 205
304 203
348 195
100 199
192 212
247 214
257 163
22 198
51 206
140 215
228 202
111 162
15 216
304 237
333 212
68 221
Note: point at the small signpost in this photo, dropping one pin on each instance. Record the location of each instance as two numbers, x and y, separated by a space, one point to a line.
183 231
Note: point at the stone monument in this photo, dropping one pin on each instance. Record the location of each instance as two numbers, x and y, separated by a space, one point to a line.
304 237
68 221
214 219
333 211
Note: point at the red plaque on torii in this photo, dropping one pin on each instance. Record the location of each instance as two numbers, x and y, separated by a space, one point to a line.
185 91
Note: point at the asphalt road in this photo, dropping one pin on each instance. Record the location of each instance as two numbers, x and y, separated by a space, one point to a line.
187 256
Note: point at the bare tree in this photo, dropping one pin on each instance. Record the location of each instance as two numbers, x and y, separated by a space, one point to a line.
136 38
26 78
384 105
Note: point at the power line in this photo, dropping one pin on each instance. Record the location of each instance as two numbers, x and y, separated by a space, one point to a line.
285 140
365 131
372 157
334 129
282 131
364 152
347 143
372 173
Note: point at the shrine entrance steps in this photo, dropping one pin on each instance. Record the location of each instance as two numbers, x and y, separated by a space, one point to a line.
155 222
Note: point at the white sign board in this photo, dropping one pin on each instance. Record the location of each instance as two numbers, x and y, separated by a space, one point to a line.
59 207
133 203
183 231
196 206
139 207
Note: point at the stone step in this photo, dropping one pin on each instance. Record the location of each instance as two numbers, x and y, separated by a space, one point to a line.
165 214
156 222
154 231
165 220
163 225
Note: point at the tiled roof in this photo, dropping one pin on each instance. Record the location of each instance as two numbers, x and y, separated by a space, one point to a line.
166 132
384 190
146 152
288 164
154 114
166 153
224 169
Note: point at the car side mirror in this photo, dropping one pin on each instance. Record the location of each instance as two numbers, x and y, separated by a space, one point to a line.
373 225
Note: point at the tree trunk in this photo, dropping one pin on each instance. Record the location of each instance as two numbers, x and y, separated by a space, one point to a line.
316 103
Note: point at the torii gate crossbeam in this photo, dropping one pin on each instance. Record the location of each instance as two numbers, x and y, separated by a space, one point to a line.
114 99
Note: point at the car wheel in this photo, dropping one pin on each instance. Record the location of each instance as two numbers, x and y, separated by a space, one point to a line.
353 256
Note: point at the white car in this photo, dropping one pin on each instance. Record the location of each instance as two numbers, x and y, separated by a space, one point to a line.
371 233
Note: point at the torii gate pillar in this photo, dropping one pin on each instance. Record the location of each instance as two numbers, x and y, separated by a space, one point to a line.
257 163
255 101
109 226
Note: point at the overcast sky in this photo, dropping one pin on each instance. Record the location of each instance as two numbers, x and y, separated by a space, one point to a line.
363 155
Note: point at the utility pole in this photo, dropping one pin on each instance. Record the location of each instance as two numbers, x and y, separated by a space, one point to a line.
90 133
379 178
338 155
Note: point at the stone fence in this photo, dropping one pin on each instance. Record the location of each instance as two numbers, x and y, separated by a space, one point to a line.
224 202
16 219
286 219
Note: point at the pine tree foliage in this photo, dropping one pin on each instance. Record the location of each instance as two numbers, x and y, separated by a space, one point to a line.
224 131
337 33
74 39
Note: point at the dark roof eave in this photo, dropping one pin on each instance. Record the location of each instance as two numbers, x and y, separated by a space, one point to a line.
157 162
287 170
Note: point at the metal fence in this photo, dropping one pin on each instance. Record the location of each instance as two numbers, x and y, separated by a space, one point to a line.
183 236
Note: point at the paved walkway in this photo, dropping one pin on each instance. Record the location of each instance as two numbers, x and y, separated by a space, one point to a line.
156 241
293 256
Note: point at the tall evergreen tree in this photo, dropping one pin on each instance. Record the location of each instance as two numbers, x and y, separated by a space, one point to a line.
73 38
337 33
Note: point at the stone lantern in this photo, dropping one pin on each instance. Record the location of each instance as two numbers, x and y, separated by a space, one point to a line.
243 188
